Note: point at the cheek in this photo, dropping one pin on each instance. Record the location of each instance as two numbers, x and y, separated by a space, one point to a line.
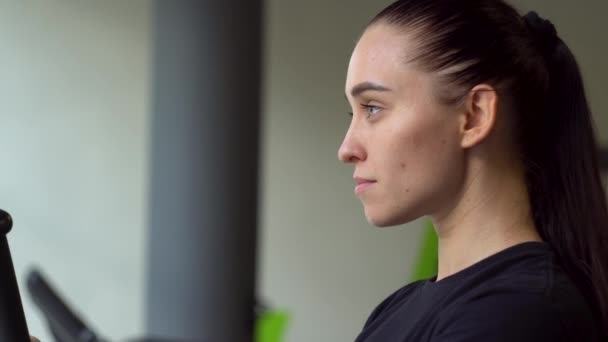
416 169
426 156
416 147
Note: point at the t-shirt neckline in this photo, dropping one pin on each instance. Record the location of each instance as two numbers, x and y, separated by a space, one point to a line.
515 249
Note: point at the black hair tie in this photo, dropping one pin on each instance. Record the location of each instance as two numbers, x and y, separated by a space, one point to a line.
544 32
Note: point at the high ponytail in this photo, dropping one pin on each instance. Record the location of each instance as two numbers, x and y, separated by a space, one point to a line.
566 192
469 42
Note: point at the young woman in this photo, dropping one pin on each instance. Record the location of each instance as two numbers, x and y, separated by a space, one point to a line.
469 113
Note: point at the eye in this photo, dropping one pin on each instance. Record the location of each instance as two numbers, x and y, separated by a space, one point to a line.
371 110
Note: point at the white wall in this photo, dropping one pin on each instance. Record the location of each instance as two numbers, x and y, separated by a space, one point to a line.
73 137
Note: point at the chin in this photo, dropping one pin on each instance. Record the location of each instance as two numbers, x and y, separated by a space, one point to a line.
387 219
381 223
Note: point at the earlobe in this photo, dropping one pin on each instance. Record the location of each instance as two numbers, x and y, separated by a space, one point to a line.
479 117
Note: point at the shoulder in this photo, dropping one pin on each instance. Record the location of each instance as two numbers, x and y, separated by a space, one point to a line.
512 310
393 301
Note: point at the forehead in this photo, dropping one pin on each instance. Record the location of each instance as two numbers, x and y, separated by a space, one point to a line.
381 57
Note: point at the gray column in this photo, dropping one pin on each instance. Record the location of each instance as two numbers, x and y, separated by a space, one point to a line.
203 209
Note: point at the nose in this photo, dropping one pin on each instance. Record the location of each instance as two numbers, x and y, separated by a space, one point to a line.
352 149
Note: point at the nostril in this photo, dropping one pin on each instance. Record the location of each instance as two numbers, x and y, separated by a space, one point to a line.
345 155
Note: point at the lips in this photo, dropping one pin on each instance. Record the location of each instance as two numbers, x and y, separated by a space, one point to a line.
363 184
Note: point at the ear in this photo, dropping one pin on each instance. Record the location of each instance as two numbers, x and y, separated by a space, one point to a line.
479 117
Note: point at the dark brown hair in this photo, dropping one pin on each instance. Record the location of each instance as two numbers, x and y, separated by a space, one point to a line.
469 42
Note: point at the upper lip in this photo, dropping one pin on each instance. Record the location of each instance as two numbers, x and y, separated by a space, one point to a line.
360 180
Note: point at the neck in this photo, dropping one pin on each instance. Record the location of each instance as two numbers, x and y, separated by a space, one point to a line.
491 213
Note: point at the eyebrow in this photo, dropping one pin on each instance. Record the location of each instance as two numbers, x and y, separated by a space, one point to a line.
367 86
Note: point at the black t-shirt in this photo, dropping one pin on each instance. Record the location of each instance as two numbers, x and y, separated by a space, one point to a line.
519 294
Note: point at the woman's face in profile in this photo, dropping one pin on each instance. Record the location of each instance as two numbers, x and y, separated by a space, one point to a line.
403 143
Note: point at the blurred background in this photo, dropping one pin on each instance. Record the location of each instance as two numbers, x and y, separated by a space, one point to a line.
76 94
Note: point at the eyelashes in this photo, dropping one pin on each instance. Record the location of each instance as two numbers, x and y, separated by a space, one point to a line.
370 110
